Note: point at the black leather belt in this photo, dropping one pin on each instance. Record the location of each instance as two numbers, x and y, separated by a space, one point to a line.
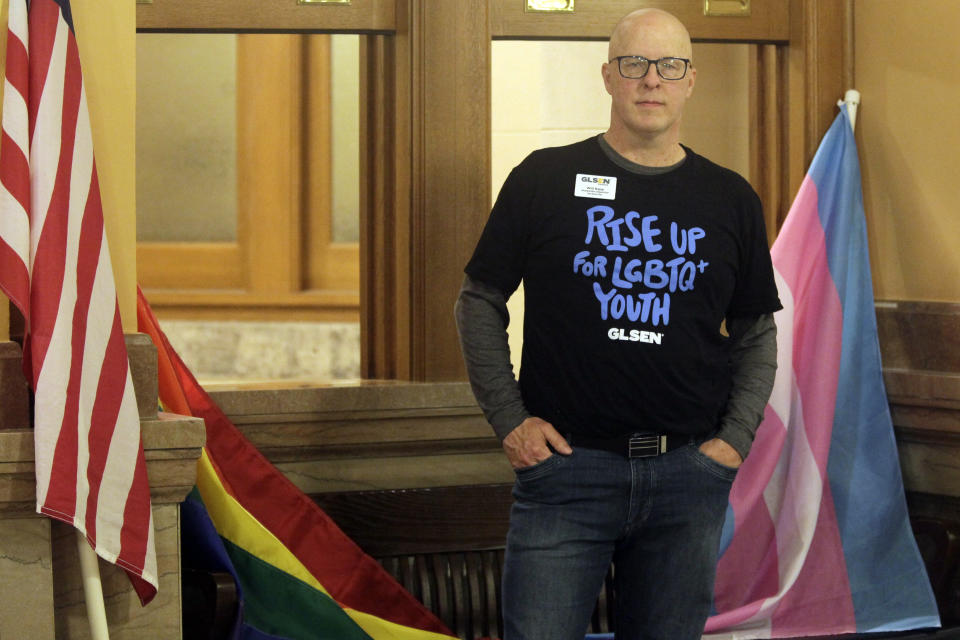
633 445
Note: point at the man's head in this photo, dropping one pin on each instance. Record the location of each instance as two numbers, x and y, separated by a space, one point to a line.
648 108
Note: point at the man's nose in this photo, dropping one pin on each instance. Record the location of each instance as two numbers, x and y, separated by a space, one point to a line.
651 78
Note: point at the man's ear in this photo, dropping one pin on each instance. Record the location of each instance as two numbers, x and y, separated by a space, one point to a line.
605 70
692 73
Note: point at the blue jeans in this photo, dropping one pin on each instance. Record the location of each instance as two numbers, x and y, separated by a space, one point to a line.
657 519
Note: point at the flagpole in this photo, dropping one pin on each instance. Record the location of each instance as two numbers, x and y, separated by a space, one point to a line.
852 99
92 589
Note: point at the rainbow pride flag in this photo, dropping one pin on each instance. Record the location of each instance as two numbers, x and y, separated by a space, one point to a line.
298 575
818 540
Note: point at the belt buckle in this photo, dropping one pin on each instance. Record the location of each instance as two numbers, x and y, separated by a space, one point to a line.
646 446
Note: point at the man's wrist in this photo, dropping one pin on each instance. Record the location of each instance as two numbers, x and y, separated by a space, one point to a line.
504 422
722 452
737 437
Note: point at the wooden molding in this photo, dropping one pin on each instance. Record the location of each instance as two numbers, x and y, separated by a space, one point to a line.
427 176
211 304
766 139
269 123
175 265
363 16
595 19
455 173
385 125
815 78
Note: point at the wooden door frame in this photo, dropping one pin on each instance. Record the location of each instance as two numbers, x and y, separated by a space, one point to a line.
425 126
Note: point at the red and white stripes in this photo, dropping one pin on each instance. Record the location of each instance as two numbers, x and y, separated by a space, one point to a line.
90 465
14 166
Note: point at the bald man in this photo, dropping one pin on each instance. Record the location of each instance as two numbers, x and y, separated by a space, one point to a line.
649 353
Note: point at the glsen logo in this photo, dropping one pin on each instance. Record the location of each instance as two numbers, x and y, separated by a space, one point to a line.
634 335
594 179
588 186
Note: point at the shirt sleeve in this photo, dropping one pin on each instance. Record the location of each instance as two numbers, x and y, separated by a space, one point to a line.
482 320
499 257
753 358
756 290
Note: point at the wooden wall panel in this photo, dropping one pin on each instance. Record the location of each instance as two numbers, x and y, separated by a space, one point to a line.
427 185
594 19
455 177
265 15
766 157
815 75
268 167
385 125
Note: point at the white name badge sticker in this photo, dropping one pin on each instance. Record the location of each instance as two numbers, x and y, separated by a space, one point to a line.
602 187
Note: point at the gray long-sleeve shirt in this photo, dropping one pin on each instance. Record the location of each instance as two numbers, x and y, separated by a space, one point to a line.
482 320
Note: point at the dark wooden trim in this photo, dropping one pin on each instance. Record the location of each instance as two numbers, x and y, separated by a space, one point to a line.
432 520
822 27
927 328
385 122
813 77
428 186
455 141
360 16
766 158
240 304
594 19
849 44
921 359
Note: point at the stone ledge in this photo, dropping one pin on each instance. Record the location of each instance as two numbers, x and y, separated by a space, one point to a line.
142 355
397 418
15 408
375 434
392 419
368 396
171 445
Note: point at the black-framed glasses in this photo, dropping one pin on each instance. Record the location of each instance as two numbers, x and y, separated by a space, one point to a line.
635 67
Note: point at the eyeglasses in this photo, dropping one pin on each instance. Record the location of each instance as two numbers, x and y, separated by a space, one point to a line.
636 67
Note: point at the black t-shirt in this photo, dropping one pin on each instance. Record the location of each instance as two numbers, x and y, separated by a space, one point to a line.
627 279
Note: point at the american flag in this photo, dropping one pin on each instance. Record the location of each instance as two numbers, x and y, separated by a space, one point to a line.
55 267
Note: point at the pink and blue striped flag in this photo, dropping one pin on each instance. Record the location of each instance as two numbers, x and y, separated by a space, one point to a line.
817 539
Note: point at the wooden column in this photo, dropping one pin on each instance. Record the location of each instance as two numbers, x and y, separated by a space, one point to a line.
794 91
815 77
426 125
766 140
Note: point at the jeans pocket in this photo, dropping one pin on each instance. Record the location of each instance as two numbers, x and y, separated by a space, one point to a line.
717 469
539 469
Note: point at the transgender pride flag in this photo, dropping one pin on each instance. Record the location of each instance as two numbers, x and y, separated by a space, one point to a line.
817 539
